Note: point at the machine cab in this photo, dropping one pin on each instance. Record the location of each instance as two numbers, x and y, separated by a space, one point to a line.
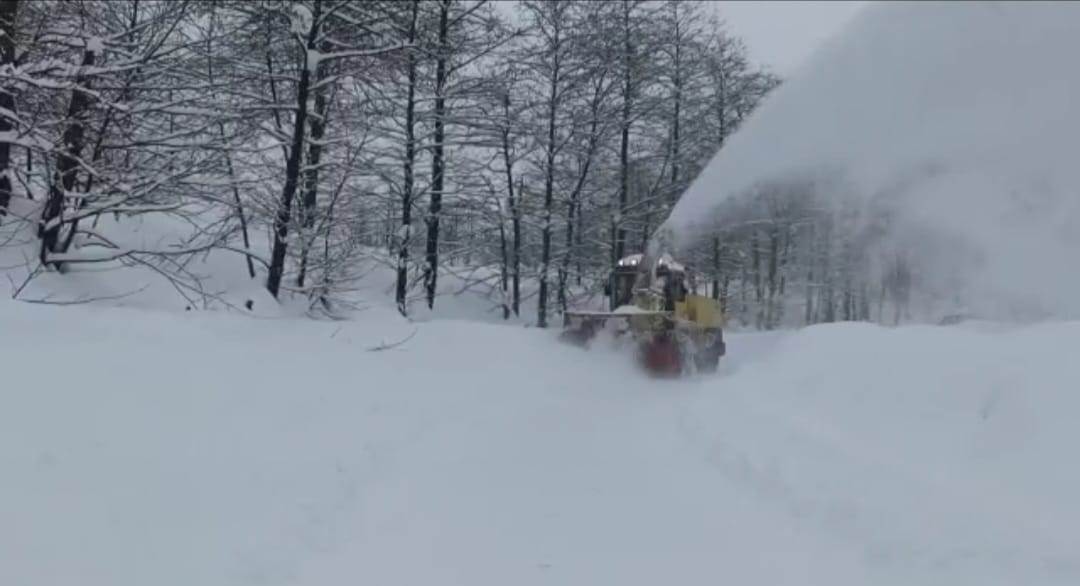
671 279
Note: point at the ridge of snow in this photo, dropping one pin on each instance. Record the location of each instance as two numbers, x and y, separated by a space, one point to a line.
193 448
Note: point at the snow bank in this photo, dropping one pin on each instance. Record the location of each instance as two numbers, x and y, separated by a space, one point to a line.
219 278
142 447
959 119
937 453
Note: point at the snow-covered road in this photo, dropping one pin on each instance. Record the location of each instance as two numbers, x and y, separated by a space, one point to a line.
148 448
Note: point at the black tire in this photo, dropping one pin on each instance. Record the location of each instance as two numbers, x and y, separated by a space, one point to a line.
708 360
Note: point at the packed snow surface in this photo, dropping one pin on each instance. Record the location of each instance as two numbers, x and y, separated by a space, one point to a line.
958 120
150 448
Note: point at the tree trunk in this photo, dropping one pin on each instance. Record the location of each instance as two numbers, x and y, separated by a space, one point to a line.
676 118
311 179
239 206
759 281
230 169
516 268
431 268
773 284
67 164
881 305
572 208
724 293
512 205
270 76
549 183
292 165
579 242
716 267
744 279
98 151
564 265
827 301
504 270
405 233
624 141
864 302
8 11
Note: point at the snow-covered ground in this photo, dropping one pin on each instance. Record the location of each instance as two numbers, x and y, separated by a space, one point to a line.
141 447
147 445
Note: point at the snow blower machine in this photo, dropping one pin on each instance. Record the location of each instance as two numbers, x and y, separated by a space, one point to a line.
651 308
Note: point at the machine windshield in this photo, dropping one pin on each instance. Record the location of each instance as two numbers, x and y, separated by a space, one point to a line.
622 288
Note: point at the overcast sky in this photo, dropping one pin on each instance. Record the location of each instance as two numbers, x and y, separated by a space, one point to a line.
782 34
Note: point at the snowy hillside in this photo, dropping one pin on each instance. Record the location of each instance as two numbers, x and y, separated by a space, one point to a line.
215 280
175 449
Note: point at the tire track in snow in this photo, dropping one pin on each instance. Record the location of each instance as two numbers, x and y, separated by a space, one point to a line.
871 503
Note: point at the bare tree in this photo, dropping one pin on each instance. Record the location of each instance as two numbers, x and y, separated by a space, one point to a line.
295 134
8 13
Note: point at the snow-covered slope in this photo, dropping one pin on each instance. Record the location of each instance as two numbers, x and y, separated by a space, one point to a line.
960 120
218 278
145 448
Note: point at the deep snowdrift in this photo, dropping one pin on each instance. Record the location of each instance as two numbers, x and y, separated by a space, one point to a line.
142 448
960 119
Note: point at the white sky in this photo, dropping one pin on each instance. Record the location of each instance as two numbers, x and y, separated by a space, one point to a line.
782 34
779 34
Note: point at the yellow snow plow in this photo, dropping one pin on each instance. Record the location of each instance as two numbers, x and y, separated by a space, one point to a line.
653 310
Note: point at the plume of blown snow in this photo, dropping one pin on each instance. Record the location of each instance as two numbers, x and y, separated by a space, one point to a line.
962 119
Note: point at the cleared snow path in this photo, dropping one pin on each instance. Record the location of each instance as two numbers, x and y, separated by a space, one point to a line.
142 448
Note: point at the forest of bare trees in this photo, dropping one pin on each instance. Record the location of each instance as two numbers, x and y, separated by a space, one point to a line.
521 147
